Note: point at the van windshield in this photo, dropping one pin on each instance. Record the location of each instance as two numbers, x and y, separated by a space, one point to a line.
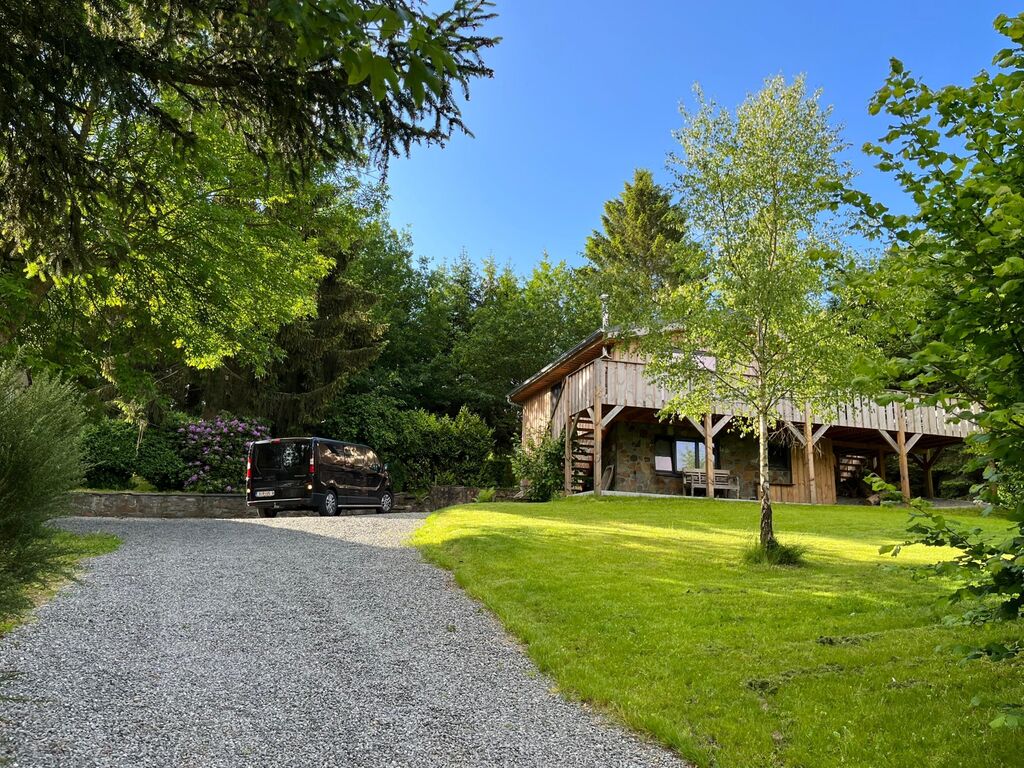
284 459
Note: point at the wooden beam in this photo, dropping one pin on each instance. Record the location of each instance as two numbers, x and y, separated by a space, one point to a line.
928 460
901 449
819 433
611 415
598 415
709 456
695 424
570 427
795 432
809 455
913 441
722 422
889 440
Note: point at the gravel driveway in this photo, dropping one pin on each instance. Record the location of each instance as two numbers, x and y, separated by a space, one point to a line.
287 642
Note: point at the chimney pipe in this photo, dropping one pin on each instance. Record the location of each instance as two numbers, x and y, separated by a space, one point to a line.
604 311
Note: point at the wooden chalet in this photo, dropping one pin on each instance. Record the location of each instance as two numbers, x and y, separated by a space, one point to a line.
599 395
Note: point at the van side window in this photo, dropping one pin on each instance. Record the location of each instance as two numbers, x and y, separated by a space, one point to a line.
372 462
361 456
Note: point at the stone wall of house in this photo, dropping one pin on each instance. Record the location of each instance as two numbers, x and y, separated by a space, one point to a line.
232 505
630 447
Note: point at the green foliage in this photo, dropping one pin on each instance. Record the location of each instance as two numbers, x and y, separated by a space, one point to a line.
756 188
420 448
211 274
110 453
989 568
41 460
957 260
115 456
318 353
215 450
303 84
539 467
786 555
643 248
516 327
159 459
461 335
485 495
958 253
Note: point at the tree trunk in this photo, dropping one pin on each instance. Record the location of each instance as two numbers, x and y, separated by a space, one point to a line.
767 527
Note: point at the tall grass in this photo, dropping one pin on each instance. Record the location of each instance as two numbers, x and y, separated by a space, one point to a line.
41 420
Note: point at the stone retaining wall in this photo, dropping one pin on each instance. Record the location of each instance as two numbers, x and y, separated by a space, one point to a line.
227 505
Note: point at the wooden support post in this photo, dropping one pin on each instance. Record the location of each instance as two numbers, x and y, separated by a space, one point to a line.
809 454
598 398
901 447
568 440
881 464
929 485
709 456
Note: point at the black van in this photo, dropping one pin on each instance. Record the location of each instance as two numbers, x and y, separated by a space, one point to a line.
315 473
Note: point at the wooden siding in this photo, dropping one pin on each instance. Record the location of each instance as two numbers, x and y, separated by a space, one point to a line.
824 475
625 383
536 416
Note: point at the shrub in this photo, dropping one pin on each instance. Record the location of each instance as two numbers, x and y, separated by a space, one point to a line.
214 452
159 458
110 448
41 459
539 467
790 555
485 495
421 448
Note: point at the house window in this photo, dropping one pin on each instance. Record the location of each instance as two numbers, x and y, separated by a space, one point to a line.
663 456
674 456
780 464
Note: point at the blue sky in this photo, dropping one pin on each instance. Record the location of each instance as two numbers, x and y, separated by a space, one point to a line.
584 91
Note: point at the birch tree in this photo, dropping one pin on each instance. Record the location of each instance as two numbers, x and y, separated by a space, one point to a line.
757 188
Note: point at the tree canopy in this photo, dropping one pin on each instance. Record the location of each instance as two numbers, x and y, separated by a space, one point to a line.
755 188
956 261
302 84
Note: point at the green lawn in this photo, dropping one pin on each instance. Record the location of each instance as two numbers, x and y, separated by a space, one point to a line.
643 607
77 547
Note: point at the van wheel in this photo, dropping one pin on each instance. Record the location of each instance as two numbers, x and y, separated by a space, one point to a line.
329 506
267 512
387 501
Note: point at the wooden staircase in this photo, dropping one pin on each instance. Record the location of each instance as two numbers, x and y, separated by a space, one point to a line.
583 454
853 466
850 471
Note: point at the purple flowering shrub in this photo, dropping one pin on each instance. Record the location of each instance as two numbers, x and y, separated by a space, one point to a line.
215 450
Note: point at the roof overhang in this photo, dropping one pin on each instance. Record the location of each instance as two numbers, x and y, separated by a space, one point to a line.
587 350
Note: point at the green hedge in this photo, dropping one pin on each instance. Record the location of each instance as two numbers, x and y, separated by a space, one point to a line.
421 448
208 455
110 454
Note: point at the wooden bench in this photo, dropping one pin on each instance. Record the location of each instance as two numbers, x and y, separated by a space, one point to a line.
724 480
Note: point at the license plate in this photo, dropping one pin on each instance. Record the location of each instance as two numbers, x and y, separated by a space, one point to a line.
263 494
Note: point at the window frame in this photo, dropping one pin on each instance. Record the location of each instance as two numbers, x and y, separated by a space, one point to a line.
777 473
673 453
